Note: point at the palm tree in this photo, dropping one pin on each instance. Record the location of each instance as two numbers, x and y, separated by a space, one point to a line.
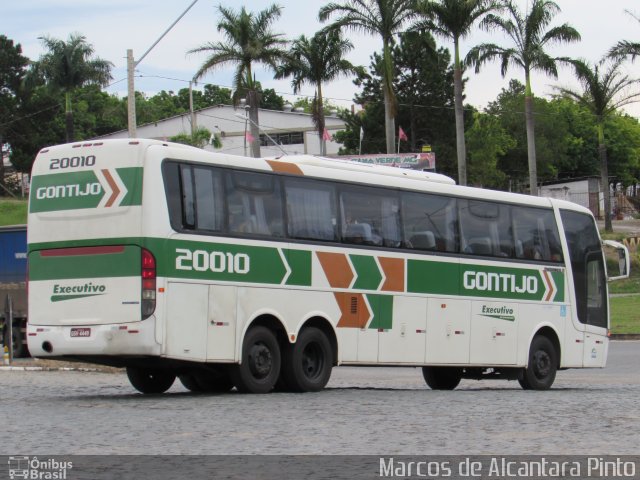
603 93
530 35
249 40
376 17
317 60
626 48
69 65
454 19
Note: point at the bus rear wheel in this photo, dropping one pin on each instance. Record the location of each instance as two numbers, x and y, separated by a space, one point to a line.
261 362
442 378
307 364
542 366
151 380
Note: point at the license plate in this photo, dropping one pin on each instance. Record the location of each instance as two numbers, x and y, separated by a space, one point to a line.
80 332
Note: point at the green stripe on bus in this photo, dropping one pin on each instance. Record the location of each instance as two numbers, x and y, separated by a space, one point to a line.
84 190
132 179
300 265
382 309
368 275
439 278
209 261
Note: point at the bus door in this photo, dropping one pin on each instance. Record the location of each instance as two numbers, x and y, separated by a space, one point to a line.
589 282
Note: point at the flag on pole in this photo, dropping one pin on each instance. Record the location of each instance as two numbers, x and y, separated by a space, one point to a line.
402 135
325 135
361 133
250 138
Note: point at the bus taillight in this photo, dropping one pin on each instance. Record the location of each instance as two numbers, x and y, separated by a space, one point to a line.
148 283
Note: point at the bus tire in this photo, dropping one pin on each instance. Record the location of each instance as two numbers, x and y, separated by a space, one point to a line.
151 380
189 382
442 378
307 364
261 362
542 366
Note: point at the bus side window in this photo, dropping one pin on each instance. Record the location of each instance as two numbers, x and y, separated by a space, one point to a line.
370 217
536 234
209 211
429 222
485 228
254 204
311 210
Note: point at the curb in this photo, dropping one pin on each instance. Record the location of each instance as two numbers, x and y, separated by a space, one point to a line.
625 336
14 368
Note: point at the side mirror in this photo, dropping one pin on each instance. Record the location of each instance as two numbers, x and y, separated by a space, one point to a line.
617 260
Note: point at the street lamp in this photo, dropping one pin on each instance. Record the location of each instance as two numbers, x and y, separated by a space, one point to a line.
131 66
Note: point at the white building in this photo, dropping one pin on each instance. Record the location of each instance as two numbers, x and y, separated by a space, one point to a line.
583 191
292 130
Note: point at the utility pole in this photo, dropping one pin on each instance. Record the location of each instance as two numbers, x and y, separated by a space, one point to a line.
194 127
131 66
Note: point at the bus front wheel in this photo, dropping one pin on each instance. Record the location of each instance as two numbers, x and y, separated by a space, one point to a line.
151 380
307 364
543 364
260 365
442 378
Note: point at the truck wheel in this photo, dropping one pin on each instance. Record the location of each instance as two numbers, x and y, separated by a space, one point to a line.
151 380
542 366
442 378
260 365
307 364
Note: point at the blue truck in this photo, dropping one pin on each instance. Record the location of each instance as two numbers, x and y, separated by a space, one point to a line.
13 285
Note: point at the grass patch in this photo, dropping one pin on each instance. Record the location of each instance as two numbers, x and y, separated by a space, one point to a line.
625 314
13 212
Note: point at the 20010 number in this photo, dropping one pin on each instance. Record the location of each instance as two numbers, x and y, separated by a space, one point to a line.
202 261
72 162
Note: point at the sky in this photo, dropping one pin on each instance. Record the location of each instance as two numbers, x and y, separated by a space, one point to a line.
114 26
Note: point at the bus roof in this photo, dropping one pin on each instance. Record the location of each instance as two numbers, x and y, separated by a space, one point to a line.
385 170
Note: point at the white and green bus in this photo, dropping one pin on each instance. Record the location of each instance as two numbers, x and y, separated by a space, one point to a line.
264 274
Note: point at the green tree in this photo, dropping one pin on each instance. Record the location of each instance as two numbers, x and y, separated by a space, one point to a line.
249 40
604 91
626 48
215 95
530 35
424 80
317 60
384 18
69 65
488 142
454 19
13 68
270 99
199 138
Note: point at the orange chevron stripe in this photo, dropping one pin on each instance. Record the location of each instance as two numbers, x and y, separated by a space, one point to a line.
284 167
549 284
393 269
115 191
337 269
354 310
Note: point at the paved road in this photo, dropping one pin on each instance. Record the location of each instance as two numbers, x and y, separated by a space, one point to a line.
386 411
